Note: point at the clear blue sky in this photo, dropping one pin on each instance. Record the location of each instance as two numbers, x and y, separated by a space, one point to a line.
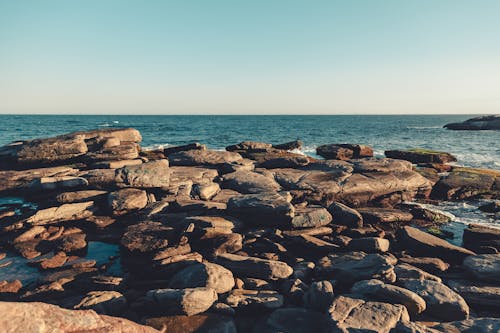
269 56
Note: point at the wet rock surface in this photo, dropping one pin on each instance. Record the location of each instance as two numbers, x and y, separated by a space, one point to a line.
257 238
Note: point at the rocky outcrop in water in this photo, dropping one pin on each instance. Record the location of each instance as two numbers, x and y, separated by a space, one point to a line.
477 123
257 238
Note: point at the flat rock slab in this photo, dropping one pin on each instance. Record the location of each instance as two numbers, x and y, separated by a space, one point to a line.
294 320
355 266
423 244
248 182
268 209
353 314
384 215
47 318
243 266
203 158
421 156
65 212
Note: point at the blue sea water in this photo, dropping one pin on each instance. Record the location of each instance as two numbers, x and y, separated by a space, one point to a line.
472 148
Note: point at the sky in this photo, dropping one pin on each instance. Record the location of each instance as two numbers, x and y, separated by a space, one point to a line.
250 57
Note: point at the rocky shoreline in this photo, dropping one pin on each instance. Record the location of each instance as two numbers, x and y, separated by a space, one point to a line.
256 238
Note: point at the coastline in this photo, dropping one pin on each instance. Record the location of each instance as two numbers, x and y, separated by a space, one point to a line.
253 231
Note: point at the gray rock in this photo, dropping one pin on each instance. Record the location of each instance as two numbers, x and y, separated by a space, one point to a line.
477 325
357 315
442 302
127 200
249 182
423 244
369 244
311 217
345 215
204 275
243 266
407 271
319 296
154 174
477 293
380 291
66 212
268 209
356 266
485 267
188 301
203 157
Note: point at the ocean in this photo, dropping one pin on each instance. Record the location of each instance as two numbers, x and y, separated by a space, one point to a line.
472 148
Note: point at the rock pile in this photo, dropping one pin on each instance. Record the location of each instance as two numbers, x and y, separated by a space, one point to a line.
253 239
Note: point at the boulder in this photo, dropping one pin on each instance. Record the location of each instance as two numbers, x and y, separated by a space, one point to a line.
47 318
419 155
211 158
477 123
255 299
357 315
127 200
154 174
383 292
243 266
345 151
272 159
442 302
268 209
345 215
348 268
204 275
463 183
423 244
248 182
319 296
369 244
189 301
311 217
484 267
